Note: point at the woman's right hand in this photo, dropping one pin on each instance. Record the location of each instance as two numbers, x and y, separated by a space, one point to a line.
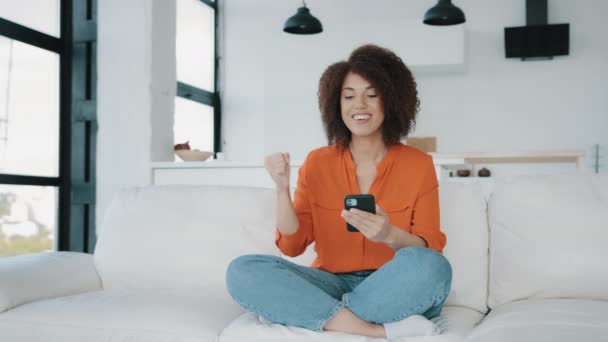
278 167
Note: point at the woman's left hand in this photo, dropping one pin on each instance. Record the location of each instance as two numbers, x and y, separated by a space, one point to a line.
375 227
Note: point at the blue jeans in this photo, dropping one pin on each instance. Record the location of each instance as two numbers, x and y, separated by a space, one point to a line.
416 281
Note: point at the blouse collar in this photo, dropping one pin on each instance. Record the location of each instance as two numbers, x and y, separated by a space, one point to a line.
382 165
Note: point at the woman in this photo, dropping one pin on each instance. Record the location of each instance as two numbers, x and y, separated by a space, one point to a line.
388 279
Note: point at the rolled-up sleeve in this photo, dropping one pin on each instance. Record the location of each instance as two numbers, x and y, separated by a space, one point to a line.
425 216
295 244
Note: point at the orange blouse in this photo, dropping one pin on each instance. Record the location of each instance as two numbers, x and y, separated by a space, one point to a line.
405 187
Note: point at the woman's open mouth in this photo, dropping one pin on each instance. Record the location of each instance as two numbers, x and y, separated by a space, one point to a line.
361 118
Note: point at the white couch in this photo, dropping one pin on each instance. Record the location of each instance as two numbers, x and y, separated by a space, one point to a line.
535 254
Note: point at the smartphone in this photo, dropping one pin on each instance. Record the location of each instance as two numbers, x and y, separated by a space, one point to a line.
363 202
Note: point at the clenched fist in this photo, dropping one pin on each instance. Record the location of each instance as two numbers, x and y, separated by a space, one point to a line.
278 167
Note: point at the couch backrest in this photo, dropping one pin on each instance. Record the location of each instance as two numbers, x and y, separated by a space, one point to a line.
465 224
182 236
548 238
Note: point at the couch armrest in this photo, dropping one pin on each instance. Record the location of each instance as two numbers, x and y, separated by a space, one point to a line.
27 278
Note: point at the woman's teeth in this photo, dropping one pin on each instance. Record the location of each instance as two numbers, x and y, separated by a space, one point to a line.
361 117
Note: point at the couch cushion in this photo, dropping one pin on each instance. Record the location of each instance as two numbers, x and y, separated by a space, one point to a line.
548 239
122 315
454 322
545 320
464 221
62 273
181 236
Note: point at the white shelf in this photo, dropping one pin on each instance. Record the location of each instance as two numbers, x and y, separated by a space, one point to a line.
438 160
572 156
210 164
220 172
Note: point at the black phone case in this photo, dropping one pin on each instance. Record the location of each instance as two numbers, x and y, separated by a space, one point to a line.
365 202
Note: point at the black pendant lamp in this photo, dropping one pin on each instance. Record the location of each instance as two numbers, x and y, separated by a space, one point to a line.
443 14
303 22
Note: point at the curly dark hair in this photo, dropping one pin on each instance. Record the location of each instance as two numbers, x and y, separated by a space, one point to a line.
393 81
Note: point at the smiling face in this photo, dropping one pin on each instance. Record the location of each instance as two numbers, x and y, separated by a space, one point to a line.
361 106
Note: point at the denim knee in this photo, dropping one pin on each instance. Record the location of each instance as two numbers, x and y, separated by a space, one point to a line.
244 269
437 268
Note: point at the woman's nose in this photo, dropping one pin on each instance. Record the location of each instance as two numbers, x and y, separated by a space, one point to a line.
360 102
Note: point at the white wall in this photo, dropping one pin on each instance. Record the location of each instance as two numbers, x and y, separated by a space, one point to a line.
269 80
491 104
135 92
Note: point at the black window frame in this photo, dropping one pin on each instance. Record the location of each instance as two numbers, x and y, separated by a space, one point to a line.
76 182
203 96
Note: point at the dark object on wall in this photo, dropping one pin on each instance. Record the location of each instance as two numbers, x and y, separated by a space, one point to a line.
443 14
538 39
463 173
598 157
303 22
484 172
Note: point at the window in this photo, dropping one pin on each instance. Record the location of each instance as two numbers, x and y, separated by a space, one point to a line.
46 120
197 106
194 123
195 44
28 219
29 130
40 15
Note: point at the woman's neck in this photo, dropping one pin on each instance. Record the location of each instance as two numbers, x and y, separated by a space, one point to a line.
367 150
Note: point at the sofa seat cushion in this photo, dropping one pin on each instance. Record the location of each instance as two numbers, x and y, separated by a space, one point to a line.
120 316
545 320
454 322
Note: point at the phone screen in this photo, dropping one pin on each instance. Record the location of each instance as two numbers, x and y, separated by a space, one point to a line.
365 202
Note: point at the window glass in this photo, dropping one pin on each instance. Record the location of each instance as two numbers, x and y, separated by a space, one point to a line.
193 123
28 219
29 109
40 15
195 44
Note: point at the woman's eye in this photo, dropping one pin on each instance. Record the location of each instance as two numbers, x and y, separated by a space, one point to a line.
348 97
372 95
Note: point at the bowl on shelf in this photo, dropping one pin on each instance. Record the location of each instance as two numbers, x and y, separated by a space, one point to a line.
193 155
484 172
463 173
